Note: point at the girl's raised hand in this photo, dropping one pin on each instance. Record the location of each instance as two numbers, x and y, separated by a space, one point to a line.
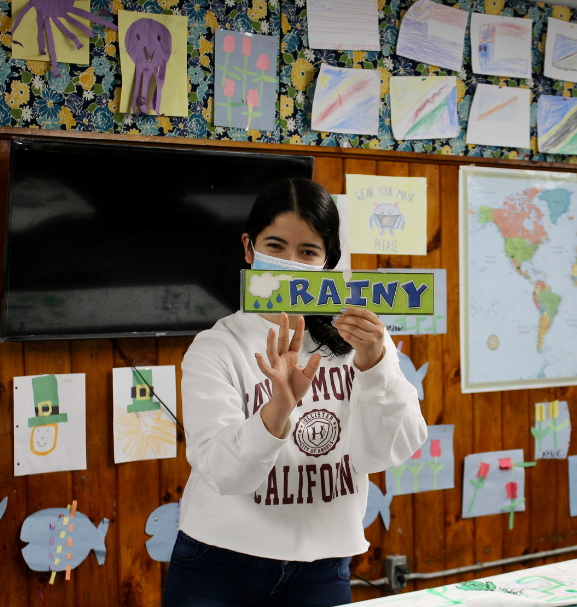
289 381
365 332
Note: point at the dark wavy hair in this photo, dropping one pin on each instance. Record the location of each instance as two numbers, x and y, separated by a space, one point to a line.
311 203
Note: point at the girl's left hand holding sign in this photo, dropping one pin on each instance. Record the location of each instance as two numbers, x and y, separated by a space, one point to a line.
365 332
289 381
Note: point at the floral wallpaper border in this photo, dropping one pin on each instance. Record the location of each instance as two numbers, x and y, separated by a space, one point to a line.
86 98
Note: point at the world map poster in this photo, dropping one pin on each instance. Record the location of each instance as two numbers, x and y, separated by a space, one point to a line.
518 269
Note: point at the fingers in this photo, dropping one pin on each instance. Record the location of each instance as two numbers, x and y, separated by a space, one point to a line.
361 313
266 369
271 348
297 340
312 366
283 336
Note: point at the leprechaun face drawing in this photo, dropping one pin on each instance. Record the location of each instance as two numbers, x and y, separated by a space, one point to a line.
43 439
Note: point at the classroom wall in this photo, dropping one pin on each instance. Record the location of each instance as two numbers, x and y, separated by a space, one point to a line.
426 527
86 98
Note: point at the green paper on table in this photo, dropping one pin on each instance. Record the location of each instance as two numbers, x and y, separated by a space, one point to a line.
327 292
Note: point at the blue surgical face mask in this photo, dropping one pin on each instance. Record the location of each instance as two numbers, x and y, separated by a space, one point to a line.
268 262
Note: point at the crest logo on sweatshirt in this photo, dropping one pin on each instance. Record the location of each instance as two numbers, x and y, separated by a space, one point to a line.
317 432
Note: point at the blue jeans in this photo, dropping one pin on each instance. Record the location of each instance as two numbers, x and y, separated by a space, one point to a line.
200 575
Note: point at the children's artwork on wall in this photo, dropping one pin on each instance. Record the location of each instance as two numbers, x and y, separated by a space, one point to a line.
162 524
329 25
245 80
500 116
552 430
424 108
433 324
143 429
413 376
65 24
343 207
572 463
434 34
3 506
430 468
561 50
501 46
387 215
378 503
347 101
49 423
494 482
557 125
153 60
59 539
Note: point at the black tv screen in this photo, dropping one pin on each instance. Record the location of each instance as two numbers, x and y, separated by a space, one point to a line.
113 240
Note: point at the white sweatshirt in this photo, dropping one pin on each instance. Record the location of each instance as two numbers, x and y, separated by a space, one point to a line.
303 497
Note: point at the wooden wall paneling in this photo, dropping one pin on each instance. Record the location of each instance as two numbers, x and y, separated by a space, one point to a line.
517 435
566 525
95 488
542 491
458 407
487 422
52 490
329 173
174 472
137 496
13 568
428 506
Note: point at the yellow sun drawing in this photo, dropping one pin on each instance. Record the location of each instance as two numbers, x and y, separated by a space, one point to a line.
144 435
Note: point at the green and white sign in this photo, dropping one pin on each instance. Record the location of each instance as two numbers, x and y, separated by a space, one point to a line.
312 292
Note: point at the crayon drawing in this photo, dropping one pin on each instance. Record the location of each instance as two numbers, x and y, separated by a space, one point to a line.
552 430
557 124
424 108
501 45
500 116
434 34
347 101
561 50
49 423
245 80
143 429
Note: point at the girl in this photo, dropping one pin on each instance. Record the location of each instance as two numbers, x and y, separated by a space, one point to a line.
282 434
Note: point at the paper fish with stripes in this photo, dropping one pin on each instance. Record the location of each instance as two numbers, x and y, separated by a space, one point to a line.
378 503
59 539
162 524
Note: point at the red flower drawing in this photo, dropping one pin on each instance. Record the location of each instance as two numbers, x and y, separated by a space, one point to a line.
229 88
436 448
228 44
246 46
252 97
505 463
483 470
416 454
263 62
511 490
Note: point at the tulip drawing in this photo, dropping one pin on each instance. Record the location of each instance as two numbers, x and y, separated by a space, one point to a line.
229 93
246 51
512 495
478 484
505 463
398 472
538 433
415 469
252 102
554 414
263 64
436 453
228 47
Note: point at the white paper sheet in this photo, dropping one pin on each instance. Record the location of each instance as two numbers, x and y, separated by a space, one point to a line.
500 116
351 25
54 439
561 50
501 45
433 33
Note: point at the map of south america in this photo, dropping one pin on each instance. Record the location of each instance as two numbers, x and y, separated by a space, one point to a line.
520 224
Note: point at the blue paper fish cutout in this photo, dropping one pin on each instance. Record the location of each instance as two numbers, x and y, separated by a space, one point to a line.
378 503
413 376
3 506
48 530
162 524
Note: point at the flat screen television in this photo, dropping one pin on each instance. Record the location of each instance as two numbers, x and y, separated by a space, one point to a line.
117 240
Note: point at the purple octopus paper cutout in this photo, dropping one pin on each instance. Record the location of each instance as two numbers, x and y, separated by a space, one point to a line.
149 44
59 12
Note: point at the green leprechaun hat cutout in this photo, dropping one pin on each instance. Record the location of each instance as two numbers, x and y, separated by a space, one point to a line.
46 404
141 393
